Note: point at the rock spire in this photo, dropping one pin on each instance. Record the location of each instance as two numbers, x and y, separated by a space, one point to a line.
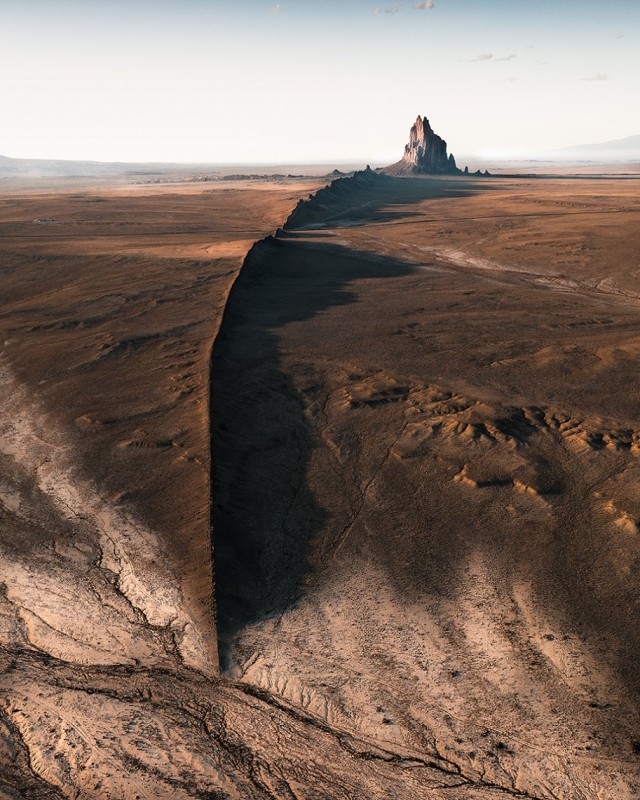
426 152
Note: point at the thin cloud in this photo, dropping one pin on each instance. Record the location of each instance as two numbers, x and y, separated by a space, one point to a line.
424 5
599 76
489 57
275 9
389 10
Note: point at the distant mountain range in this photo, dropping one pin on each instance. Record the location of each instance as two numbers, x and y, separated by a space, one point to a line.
616 149
55 168
630 144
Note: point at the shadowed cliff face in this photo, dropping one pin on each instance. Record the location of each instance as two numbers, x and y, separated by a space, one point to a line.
369 198
265 516
465 566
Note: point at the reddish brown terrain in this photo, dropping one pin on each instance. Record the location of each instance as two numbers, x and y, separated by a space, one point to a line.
423 414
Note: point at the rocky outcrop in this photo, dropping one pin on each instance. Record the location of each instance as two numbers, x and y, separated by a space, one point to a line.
425 154
349 196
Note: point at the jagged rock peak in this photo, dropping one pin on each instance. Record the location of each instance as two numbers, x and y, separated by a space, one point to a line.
426 152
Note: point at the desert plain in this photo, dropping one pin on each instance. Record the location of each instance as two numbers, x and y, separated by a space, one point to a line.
331 499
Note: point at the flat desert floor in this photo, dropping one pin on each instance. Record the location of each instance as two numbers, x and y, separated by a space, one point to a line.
407 428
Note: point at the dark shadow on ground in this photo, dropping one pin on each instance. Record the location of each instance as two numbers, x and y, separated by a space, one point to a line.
368 197
263 512
265 516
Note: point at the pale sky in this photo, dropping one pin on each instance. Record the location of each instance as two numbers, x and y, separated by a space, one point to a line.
301 81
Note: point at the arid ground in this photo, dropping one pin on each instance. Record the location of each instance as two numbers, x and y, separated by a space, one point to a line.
348 513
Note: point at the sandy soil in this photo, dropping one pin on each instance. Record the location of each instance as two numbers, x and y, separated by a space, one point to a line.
424 404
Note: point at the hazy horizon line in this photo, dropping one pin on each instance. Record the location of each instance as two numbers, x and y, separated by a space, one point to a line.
497 155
